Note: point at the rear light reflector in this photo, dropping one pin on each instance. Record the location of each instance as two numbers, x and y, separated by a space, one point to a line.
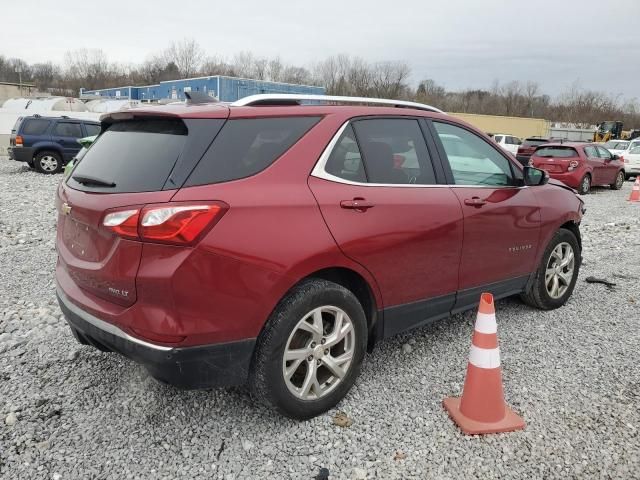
156 337
19 141
124 223
178 223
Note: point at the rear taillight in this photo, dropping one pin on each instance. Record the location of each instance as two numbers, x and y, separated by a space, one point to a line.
622 159
176 223
19 141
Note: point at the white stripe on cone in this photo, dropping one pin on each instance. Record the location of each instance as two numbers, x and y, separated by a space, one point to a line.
486 323
484 357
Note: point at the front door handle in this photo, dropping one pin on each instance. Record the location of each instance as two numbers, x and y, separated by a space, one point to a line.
474 202
358 204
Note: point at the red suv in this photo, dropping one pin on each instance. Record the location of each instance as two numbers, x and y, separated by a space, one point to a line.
272 243
580 165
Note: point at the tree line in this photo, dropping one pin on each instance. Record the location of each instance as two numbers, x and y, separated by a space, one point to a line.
339 74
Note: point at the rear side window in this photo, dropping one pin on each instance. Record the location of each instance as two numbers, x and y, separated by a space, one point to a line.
92 129
136 155
16 125
67 129
35 126
247 146
345 160
557 152
394 151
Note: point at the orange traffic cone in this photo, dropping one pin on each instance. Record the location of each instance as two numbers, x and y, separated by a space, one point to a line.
635 191
482 409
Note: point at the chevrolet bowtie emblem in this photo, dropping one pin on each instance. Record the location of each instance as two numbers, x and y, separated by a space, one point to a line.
66 208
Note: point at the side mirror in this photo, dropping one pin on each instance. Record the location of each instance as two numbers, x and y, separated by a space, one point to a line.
535 176
615 157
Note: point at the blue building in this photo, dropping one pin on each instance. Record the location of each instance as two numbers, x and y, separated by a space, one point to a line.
226 89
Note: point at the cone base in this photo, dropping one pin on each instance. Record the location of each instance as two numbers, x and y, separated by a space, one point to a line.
509 423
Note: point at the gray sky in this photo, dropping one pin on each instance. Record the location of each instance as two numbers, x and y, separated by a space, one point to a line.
458 43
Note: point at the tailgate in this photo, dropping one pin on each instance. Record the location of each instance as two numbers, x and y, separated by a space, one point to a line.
136 161
96 259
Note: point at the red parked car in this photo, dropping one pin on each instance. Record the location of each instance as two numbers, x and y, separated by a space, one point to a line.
580 165
527 147
271 243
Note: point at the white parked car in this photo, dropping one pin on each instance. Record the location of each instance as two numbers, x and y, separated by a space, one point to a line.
508 142
617 147
632 162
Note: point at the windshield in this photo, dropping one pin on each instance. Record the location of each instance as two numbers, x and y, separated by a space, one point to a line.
607 126
531 142
615 145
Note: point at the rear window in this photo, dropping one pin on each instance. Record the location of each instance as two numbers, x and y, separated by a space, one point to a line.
557 152
35 126
533 142
92 129
245 147
136 155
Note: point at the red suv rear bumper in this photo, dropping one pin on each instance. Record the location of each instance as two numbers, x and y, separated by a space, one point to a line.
202 366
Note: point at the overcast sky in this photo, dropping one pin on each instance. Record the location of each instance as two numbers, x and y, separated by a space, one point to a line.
458 43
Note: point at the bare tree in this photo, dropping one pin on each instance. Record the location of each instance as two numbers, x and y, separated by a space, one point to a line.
187 55
388 79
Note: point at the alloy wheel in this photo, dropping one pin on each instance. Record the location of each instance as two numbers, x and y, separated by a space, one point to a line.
49 163
318 353
619 180
559 272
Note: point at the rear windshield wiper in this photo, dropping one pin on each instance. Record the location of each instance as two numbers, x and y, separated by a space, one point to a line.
86 180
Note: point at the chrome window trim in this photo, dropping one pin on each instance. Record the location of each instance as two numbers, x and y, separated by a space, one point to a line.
105 326
320 172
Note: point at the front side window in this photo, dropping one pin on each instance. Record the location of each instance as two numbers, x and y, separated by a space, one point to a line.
394 151
473 161
604 153
67 129
591 152
498 138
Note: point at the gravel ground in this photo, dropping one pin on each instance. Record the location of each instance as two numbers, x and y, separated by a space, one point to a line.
68 411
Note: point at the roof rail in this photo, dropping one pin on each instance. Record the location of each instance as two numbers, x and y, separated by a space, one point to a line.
290 98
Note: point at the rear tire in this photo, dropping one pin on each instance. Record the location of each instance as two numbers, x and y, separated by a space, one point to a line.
585 184
540 291
619 182
48 162
289 331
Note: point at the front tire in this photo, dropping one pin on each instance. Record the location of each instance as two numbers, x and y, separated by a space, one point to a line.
310 351
557 274
48 162
585 184
619 182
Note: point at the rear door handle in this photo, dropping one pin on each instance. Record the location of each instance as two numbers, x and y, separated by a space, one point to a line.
358 204
474 202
